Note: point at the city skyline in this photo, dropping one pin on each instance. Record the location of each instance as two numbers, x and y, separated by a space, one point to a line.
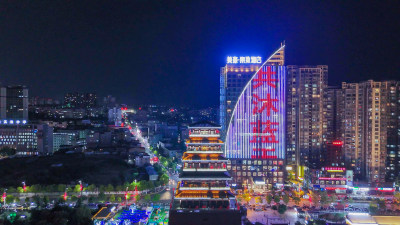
55 52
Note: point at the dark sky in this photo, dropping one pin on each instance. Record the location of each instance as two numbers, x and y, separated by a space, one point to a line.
170 52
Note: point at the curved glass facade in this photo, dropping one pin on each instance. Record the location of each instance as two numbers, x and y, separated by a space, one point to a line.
257 126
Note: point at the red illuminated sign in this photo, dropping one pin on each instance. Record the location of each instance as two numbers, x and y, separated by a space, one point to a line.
260 80
385 189
334 188
335 168
337 143
264 129
331 178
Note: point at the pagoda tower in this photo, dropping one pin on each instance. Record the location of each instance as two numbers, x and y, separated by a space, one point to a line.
203 184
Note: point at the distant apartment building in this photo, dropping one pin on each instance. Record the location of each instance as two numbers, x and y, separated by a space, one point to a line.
142 159
80 100
369 113
307 115
14 104
27 140
68 138
115 116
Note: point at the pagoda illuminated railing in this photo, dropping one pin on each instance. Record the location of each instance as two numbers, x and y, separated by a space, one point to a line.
203 181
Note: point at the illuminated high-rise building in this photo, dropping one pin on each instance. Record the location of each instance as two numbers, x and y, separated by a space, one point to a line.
233 78
203 194
255 134
80 100
13 104
369 113
307 115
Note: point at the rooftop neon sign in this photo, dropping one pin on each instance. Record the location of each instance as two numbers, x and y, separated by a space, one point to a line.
243 59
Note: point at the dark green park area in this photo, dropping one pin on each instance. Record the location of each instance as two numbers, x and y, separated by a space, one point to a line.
66 169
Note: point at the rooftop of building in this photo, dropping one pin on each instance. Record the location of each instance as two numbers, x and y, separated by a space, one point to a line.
204 174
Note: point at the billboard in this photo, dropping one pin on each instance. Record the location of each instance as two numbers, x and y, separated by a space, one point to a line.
257 126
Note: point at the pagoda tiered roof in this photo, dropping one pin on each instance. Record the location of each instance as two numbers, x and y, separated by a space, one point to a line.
203 157
205 175
204 194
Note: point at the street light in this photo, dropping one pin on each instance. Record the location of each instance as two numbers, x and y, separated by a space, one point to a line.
24 186
126 197
80 187
4 196
65 194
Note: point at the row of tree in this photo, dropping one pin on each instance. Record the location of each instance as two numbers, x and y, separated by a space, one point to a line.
141 185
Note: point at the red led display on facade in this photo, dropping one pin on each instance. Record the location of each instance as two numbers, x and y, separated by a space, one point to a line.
264 130
338 143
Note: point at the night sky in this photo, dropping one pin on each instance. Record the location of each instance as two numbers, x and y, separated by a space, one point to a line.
170 52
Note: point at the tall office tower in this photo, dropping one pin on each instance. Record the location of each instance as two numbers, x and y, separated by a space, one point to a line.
234 76
393 130
80 100
203 194
307 124
369 112
333 121
14 104
255 136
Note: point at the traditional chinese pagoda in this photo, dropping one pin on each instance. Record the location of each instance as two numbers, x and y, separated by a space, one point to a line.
203 194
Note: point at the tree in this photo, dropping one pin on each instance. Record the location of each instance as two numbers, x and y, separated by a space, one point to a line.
282 209
101 196
45 200
74 198
269 199
110 187
11 190
164 179
91 188
102 188
246 197
156 198
258 199
381 204
147 198
397 196
119 199
37 200
77 188
239 198
61 187
20 190
137 198
112 198
334 198
7 151
296 200
324 198
9 199
285 199
277 199
373 208
91 199
315 198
